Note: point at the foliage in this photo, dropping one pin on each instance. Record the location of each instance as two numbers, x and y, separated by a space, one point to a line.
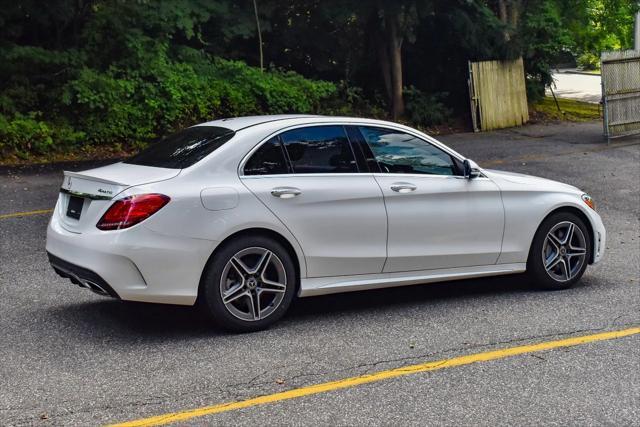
426 109
160 95
588 61
25 134
598 25
79 73
542 37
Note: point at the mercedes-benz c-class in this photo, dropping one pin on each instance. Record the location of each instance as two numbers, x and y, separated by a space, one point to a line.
240 216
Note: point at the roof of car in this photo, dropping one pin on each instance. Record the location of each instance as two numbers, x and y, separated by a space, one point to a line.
237 123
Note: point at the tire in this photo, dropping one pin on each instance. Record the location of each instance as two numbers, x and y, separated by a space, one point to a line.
562 241
246 271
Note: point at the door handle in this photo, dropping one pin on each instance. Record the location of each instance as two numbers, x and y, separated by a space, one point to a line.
285 192
403 187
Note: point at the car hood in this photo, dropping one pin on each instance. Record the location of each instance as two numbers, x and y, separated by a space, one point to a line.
531 182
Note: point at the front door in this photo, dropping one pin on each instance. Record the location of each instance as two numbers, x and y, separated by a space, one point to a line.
309 178
436 218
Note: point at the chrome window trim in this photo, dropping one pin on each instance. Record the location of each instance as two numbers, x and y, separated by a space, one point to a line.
422 137
375 174
427 175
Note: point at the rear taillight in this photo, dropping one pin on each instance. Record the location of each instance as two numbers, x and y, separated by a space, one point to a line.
131 210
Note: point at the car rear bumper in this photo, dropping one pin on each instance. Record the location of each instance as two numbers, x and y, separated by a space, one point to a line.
82 277
136 264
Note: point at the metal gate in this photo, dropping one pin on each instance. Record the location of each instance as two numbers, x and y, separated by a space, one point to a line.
498 94
621 93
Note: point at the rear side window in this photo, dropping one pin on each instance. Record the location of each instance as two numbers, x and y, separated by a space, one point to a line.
184 148
319 149
269 159
399 152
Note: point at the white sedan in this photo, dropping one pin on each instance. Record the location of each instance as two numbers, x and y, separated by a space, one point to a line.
242 215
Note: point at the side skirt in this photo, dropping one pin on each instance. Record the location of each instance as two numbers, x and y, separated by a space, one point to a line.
331 285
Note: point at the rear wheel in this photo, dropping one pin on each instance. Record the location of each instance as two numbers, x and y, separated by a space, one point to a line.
248 284
560 252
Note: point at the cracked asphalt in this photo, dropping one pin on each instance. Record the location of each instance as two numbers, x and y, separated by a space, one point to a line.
71 357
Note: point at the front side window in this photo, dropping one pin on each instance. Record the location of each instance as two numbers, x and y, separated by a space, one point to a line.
399 152
184 148
319 149
269 159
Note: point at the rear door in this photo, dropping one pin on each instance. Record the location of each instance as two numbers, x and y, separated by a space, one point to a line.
437 218
310 179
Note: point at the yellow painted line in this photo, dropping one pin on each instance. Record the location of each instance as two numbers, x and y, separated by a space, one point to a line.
378 376
29 213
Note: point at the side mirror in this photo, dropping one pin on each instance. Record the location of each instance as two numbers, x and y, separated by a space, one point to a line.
471 169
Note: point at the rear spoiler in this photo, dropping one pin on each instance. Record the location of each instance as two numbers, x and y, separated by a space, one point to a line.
81 185
91 178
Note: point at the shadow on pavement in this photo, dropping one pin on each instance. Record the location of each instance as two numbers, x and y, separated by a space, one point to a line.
406 296
131 321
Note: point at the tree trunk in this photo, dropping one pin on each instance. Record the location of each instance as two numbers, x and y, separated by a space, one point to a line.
395 55
255 10
509 14
514 14
504 17
385 67
502 11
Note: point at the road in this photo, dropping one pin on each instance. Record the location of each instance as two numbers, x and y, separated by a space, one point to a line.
581 87
72 357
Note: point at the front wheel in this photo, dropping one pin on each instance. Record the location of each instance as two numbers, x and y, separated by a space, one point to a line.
560 252
248 284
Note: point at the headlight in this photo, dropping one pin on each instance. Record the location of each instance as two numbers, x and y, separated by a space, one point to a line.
588 200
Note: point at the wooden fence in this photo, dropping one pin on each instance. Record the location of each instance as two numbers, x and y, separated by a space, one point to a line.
498 94
621 93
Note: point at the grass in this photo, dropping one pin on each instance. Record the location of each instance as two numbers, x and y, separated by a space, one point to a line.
572 111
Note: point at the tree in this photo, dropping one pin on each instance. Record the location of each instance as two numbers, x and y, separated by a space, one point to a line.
396 21
255 9
509 13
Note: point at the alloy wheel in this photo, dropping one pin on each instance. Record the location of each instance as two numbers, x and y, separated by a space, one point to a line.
564 251
253 284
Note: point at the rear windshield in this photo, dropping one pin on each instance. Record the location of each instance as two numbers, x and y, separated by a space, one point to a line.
184 148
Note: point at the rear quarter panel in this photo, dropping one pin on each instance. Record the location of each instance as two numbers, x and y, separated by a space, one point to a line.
210 202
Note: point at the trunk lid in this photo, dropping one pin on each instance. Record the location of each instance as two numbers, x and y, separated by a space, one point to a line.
84 196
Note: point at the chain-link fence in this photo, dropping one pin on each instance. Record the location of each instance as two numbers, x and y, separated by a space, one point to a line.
621 93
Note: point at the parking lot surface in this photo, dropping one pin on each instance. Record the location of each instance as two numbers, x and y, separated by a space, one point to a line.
71 357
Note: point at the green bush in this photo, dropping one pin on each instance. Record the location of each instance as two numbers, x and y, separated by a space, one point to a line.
159 95
22 135
152 89
426 109
589 61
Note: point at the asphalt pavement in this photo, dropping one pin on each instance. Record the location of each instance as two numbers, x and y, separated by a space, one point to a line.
576 85
71 357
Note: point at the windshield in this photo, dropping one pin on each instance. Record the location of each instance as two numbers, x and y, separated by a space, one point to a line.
184 148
